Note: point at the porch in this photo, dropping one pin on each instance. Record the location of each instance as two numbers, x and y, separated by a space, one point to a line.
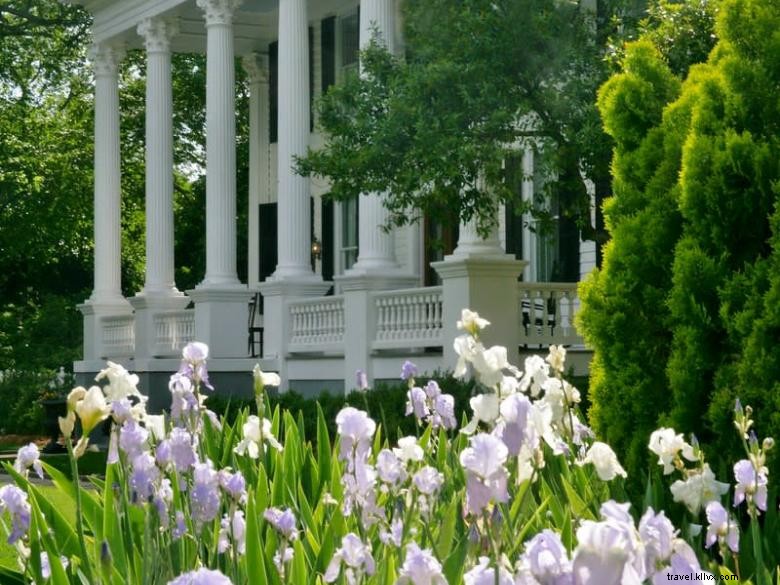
380 314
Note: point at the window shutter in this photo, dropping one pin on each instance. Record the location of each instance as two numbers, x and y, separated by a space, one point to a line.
328 241
311 79
273 91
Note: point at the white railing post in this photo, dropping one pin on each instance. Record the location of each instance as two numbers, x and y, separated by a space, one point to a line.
486 283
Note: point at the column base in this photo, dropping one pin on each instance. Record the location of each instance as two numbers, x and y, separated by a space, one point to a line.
486 284
94 309
222 319
147 305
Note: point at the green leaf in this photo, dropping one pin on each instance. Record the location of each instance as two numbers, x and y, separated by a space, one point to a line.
455 563
324 450
298 575
446 535
255 557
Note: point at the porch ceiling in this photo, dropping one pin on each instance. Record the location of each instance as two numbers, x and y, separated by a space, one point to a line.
255 22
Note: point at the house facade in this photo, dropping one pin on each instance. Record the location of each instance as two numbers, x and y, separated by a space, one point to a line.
328 290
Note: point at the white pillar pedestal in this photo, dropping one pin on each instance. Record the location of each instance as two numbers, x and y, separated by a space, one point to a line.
360 319
145 308
222 320
93 312
276 318
487 284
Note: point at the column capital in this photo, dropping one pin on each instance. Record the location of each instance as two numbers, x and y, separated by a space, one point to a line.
157 33
218 11
256 67
106 59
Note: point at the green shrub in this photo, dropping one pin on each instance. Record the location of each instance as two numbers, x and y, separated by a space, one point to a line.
20 393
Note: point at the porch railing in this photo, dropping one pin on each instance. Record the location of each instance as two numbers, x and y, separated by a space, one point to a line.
547 311
408 318
118 337
316 325
172 331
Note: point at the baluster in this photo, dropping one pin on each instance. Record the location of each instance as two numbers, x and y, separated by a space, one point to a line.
430 300
382 313
419 301
533 329
392 317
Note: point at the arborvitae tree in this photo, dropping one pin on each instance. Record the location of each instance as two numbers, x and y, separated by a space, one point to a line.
683 316
624 316
724 270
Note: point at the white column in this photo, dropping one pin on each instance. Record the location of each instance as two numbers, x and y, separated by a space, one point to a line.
256 66
376 247
159 293
293 211
108 231
221 301
220 145
471 242
106 299
157 34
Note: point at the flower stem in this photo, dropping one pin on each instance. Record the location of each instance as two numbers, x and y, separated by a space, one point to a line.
74 471
757 548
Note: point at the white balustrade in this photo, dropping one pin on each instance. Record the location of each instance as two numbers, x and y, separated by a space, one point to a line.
547 312
118 337
408 318
316 325
172 331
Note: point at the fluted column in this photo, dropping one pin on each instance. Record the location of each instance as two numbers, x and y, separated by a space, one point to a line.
221 301
256 66
220 144
376 247
157 34
293 210
108 231
106 299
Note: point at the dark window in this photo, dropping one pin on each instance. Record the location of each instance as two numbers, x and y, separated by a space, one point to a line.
513 219
440 240
328 53
350 40
267 240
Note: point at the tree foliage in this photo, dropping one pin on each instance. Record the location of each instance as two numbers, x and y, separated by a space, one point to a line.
46 178
479 77
681 315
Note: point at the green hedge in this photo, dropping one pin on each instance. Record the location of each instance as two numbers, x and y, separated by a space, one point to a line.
386 403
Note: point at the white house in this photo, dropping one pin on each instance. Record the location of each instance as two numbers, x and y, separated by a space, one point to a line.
336 293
